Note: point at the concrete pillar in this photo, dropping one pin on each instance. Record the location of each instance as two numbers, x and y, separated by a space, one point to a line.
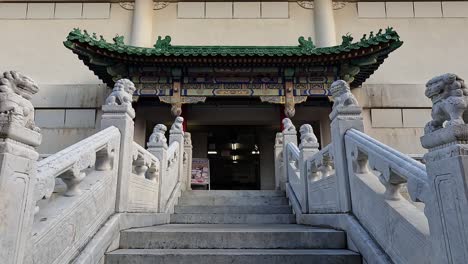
447 205
280 177
346 115
187 161
308 147
118 112
18 160
289 136
446 194
157 145
177 134
324 23
142 24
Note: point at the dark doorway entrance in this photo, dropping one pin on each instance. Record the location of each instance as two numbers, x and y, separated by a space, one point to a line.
234 154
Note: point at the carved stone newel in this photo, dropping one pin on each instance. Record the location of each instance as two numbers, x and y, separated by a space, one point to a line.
446 137
280 178
157 145
118 112
187 159
18 138
308 147
289 136
177 134
345 115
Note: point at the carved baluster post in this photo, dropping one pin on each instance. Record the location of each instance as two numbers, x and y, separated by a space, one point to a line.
118 112
308 147
157 145
289 136
280 178
188 148
177 134
18 158
447 168
346 114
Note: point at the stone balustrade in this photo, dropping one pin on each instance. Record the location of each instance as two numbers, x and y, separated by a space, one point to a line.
356 182
66 198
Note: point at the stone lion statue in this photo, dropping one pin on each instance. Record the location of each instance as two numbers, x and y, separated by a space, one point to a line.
122 93
288 126
158 135
449 97
342 94
307 135
16 91
178 125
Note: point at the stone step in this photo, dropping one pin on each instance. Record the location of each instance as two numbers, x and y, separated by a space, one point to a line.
245 209
233 219
233 256
232 201
232 236
235 193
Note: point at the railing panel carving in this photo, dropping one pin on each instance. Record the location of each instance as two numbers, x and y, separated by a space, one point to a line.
376 175
70 164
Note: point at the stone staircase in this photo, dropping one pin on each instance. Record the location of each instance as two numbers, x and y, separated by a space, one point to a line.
232 227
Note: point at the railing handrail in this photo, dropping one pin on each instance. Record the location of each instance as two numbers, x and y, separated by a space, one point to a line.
145 152
173 147
56 164
405 166
293 149
318 155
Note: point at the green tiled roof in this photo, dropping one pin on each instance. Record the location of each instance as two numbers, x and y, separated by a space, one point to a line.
163 46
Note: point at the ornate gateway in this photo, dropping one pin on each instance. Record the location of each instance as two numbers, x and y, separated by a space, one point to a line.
285 75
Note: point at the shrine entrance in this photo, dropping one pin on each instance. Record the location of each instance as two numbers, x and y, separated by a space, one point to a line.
226 93
234 156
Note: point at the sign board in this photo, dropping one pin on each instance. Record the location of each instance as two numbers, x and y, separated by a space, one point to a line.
200 171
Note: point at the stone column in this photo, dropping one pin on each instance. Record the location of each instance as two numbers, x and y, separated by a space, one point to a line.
157 145
324 23
118 112
188 149
289 136
177 134
280 178
142 24
346 114
308 147
446 196
18 159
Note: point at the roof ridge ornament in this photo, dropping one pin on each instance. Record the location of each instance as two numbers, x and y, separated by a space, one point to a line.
162 44
307 45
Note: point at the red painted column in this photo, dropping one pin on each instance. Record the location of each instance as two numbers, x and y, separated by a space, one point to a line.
282 116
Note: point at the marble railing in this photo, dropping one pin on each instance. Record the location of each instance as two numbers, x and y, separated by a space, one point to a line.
143 191
402 210
50 209
376 175
321 182
68 185
293 173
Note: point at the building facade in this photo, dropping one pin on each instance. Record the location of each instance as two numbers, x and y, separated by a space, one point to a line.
395 108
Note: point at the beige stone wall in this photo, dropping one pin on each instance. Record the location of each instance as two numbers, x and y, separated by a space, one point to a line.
434 34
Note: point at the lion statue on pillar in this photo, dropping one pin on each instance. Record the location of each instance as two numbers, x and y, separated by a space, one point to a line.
308 137
449 95
122 94
16 91
158 136
342 95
